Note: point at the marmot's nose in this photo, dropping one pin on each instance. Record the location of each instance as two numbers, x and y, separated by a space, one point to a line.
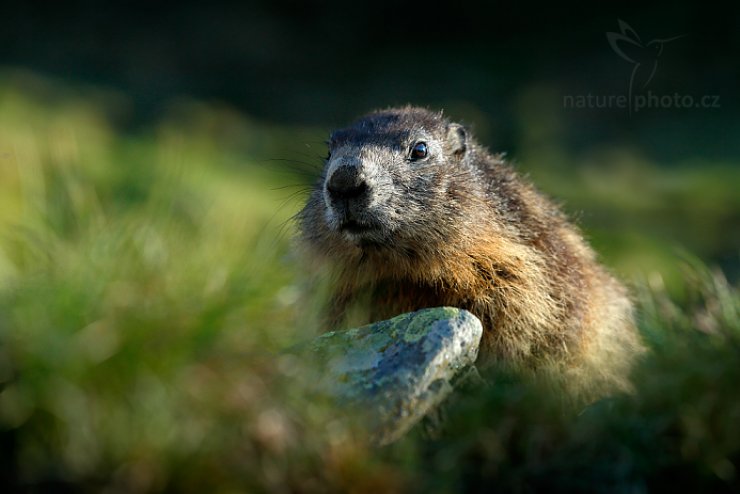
347 183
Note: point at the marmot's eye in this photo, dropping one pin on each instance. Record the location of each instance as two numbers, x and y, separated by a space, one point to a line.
419 151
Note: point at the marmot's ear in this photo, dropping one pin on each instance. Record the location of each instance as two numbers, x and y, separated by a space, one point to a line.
457 139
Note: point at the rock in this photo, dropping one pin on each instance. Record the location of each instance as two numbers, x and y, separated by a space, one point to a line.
396 370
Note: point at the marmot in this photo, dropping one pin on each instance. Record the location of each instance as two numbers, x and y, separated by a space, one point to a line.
411 212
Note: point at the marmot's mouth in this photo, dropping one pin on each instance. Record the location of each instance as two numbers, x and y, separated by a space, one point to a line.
356 227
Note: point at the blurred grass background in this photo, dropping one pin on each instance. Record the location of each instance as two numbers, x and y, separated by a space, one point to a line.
147 282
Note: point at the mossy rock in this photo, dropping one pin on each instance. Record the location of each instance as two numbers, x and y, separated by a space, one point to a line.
396 370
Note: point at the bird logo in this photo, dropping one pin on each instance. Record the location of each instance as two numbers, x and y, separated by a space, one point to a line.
643 56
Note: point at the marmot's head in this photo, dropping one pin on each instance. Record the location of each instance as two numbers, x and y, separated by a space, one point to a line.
394 179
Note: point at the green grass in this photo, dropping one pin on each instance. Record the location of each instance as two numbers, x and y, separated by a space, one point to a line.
678 431
147 286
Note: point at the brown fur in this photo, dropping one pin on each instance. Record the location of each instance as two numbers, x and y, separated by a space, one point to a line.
462 229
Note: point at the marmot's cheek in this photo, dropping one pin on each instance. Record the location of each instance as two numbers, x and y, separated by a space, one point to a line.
330 218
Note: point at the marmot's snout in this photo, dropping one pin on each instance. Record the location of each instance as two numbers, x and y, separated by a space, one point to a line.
347 188
348 195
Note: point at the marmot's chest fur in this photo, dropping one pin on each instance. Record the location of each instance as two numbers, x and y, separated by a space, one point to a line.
410 212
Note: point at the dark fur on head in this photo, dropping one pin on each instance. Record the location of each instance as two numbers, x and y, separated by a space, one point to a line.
459 227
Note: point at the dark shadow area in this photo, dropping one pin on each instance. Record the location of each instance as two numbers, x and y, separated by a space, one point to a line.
326 62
